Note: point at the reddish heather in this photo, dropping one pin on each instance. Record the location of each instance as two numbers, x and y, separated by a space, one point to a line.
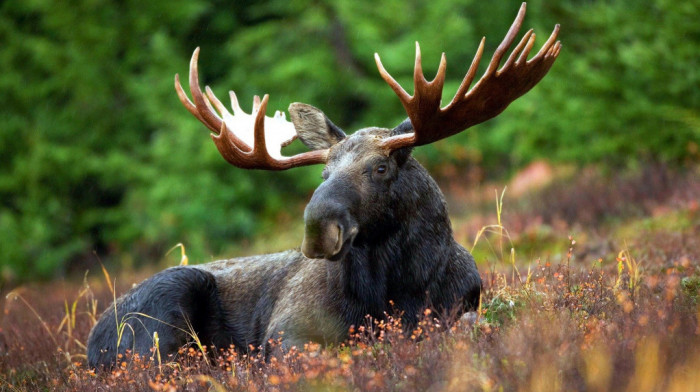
622 318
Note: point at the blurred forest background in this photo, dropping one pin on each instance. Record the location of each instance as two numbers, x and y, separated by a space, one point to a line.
98 157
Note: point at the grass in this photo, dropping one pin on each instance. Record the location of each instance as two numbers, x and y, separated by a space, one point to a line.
613 306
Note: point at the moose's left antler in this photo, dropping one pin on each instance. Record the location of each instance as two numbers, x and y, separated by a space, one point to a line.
243 139
490 96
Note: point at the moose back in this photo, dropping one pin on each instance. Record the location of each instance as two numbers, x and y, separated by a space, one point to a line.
376 230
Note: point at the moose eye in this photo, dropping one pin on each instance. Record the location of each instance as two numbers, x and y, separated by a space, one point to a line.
381 169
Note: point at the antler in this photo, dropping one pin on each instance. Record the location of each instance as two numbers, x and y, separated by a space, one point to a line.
489 97
241 138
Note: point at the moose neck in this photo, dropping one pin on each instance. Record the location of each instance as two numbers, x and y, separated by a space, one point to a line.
401 258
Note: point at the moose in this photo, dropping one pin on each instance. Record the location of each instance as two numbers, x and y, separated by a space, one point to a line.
377 234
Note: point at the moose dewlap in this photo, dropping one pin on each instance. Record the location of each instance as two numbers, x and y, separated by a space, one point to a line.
376 230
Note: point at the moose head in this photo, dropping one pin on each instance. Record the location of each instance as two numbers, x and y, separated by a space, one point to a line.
364 165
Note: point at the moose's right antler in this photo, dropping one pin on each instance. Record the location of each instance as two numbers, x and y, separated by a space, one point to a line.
255 152
489 97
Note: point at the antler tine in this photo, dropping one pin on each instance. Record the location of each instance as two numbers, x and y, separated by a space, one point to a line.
259 146
400 92
256 102
427 94
471 73
187 103
204 109
235 106
422 85
215 101
528 48
507 41
491 94
547 45
418 75
209 117
522 49
212 100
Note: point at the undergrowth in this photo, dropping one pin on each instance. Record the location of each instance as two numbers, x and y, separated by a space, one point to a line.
627 321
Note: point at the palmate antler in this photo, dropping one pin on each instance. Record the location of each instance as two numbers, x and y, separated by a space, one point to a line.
241 138
489 97
243 141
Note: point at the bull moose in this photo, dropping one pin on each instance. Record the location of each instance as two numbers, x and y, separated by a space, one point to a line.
377 233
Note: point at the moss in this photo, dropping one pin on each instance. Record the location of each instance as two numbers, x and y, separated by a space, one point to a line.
690 287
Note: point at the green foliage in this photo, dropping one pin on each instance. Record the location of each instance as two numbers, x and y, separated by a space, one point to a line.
98 154
624 87
500 310
690 287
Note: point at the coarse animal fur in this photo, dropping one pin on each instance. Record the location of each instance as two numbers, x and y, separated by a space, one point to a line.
377 231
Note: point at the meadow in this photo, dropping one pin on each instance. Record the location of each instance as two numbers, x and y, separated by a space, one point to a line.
591 282
579 202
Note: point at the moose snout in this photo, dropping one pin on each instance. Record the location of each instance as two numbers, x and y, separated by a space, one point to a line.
328 238
329 218
322 239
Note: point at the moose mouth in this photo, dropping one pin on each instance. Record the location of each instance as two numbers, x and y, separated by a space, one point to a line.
331 242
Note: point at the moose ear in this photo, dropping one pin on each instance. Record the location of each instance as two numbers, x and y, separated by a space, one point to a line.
401 155
314 129
404 127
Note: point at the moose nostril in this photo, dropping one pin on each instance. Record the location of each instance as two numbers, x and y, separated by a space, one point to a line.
331 239
322 240
338 239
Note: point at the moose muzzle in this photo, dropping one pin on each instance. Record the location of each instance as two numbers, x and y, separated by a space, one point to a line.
327 240
330 227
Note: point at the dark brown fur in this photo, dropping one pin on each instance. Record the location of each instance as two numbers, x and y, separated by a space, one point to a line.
390 239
